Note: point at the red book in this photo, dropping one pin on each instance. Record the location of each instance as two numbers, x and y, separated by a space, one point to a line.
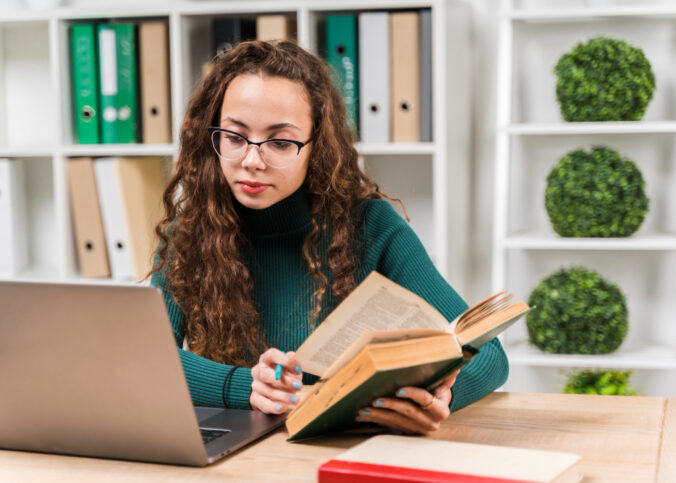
389 458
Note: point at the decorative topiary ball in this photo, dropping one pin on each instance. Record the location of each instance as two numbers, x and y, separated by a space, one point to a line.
604 80
607 383
577 312
595 194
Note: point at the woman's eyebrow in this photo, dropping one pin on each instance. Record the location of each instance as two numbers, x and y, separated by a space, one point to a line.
272 127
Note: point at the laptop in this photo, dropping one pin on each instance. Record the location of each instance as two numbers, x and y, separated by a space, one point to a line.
93 370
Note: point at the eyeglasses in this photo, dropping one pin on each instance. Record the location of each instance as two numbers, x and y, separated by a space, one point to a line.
276 153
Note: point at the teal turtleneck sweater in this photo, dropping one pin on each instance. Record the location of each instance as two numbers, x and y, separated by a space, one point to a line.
283 288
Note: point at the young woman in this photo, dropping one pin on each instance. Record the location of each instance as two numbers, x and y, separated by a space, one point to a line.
269 224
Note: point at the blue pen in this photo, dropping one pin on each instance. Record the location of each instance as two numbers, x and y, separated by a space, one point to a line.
278 370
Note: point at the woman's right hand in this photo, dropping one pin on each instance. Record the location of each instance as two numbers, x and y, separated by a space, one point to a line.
273 396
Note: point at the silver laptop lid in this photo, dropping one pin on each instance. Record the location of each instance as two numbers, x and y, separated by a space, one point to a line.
93 370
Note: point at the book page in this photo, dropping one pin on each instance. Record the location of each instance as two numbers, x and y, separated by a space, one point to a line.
376 304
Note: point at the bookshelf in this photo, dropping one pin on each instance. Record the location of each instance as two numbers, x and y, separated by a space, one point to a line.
431 178
531 137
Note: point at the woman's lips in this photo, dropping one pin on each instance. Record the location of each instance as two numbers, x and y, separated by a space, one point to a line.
253 187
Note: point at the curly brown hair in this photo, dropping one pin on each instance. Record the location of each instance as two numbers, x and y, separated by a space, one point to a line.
201 244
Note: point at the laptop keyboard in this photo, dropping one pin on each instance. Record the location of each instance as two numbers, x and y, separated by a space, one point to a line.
209 435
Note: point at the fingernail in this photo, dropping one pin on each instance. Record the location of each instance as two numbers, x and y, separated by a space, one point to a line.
298 370
379 403
293 399
360 419
365 412
278 408
401 392
297 384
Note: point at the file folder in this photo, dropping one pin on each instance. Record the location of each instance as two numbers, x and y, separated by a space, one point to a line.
85 83
127 110
274 27
87 221
108 85
341 52
117 241
227 31
426 107
155 84
140 183
13 230
405 51
374 72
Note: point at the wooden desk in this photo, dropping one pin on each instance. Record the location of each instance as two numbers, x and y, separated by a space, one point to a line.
620 438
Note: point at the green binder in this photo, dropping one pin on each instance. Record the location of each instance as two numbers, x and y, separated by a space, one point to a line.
127 107
85 84
108 82
341 53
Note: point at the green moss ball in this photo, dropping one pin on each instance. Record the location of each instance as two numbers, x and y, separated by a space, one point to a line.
595 194
604 80
577 312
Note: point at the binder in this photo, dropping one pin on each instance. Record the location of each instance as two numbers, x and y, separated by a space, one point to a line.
341 52
87 222
127 110
227 31
374 72
13 232
108 85
274 27
405 49
154 76
426 108
85 83
117 241
140 184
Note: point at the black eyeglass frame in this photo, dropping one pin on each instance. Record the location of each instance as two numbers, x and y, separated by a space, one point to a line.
300 145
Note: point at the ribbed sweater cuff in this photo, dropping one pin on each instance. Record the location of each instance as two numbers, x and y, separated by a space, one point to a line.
205 380
487 372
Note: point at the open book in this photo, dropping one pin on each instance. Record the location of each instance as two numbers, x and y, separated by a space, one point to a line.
383 337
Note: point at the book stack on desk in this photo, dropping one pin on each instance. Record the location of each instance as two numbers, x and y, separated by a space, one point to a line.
413 459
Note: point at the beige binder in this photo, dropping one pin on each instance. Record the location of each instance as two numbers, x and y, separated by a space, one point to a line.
141 185
272 27
405 69
154 74
87 221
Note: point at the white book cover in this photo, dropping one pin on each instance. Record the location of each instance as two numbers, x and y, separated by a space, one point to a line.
374 73
13 235
117 239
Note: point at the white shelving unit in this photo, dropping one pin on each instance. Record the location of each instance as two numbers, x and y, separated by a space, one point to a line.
35 115
531 137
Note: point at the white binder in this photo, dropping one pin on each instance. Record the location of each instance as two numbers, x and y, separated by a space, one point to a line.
114 224
426 107
13 237
374 73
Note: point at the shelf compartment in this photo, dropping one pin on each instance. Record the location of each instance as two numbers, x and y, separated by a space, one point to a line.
648 382
538 46
532 158
36 204
410 179
27 97
645 278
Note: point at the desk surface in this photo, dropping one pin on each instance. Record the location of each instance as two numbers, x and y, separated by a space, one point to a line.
620 438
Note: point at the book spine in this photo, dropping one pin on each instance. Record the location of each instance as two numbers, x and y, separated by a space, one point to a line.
341 46
85 84
127 126
340 471
108 89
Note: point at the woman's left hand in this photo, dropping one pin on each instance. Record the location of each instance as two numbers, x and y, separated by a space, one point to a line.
414 410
